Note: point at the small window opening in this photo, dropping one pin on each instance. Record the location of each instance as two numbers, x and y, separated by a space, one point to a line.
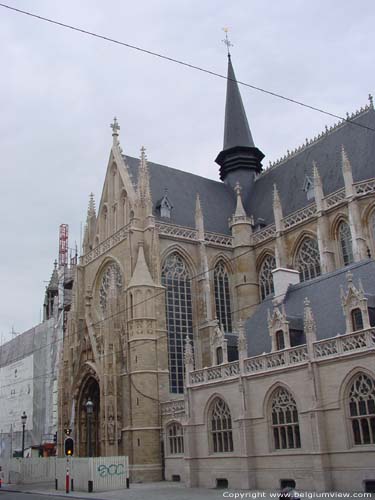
176 478
219 355
287 483
221 483
357 320
280 342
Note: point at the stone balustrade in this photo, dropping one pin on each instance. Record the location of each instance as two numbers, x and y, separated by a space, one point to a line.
294 356
345 344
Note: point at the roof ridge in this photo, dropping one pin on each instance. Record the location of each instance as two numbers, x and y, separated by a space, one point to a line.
311 142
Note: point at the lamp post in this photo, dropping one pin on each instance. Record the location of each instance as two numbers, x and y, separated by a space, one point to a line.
89 410
23 419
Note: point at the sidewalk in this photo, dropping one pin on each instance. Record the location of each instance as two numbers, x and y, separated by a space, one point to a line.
138 491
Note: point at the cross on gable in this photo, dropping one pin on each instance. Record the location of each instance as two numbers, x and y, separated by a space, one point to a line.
115 126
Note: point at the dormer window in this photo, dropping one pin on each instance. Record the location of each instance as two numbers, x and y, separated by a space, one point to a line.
357 320
280 342
308 187
164 206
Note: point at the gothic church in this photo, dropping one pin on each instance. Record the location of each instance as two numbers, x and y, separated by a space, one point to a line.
224 330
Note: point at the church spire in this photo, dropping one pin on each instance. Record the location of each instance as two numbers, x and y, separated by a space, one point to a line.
236 127
239 152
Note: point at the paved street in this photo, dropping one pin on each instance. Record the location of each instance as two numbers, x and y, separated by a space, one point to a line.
153 491
159 491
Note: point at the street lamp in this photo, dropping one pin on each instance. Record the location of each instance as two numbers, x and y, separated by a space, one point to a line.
23 419
89 410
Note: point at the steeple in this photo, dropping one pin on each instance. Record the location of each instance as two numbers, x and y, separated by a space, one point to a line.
239 152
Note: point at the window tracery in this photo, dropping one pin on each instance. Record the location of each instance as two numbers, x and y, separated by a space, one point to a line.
308 259
362 409
176 279
222 296
221 427
175 438
285 424
265 276
114 269
345 239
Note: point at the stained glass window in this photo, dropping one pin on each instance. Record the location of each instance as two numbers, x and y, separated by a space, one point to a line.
265 276
285 425
176 279
362 409
308 260
222 297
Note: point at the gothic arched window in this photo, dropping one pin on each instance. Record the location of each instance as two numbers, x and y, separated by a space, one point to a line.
308 259
265 276
222 296
220 427
175 438
285 425
345 239
362 409
176 279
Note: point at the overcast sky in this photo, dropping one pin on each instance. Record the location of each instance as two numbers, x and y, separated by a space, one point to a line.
60 90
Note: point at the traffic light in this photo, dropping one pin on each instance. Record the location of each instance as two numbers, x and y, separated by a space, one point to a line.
69 447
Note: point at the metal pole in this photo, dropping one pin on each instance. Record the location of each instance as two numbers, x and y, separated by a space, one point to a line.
89 438
23 439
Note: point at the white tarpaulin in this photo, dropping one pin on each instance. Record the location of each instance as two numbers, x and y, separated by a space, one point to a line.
16 394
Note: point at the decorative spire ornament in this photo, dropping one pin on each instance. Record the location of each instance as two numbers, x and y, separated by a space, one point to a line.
227 42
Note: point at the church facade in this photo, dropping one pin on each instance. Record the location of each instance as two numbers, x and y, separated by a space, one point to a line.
224 330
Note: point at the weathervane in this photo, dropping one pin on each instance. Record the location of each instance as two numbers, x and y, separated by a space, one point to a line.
226 40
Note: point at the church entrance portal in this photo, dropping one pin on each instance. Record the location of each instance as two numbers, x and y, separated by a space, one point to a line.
90 391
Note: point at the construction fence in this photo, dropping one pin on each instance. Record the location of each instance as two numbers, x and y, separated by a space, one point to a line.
85 474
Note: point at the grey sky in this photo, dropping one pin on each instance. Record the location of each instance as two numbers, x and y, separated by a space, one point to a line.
60 90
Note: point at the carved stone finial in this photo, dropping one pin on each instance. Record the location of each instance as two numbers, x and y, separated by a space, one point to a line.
241 340
371 101
115 127
238 188
91 207
276 197
188 355
349 277
309 321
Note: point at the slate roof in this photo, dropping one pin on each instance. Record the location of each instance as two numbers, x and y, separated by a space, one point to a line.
289 176
324 295
217 199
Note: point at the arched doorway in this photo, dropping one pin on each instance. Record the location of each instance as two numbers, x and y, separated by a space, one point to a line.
90 390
